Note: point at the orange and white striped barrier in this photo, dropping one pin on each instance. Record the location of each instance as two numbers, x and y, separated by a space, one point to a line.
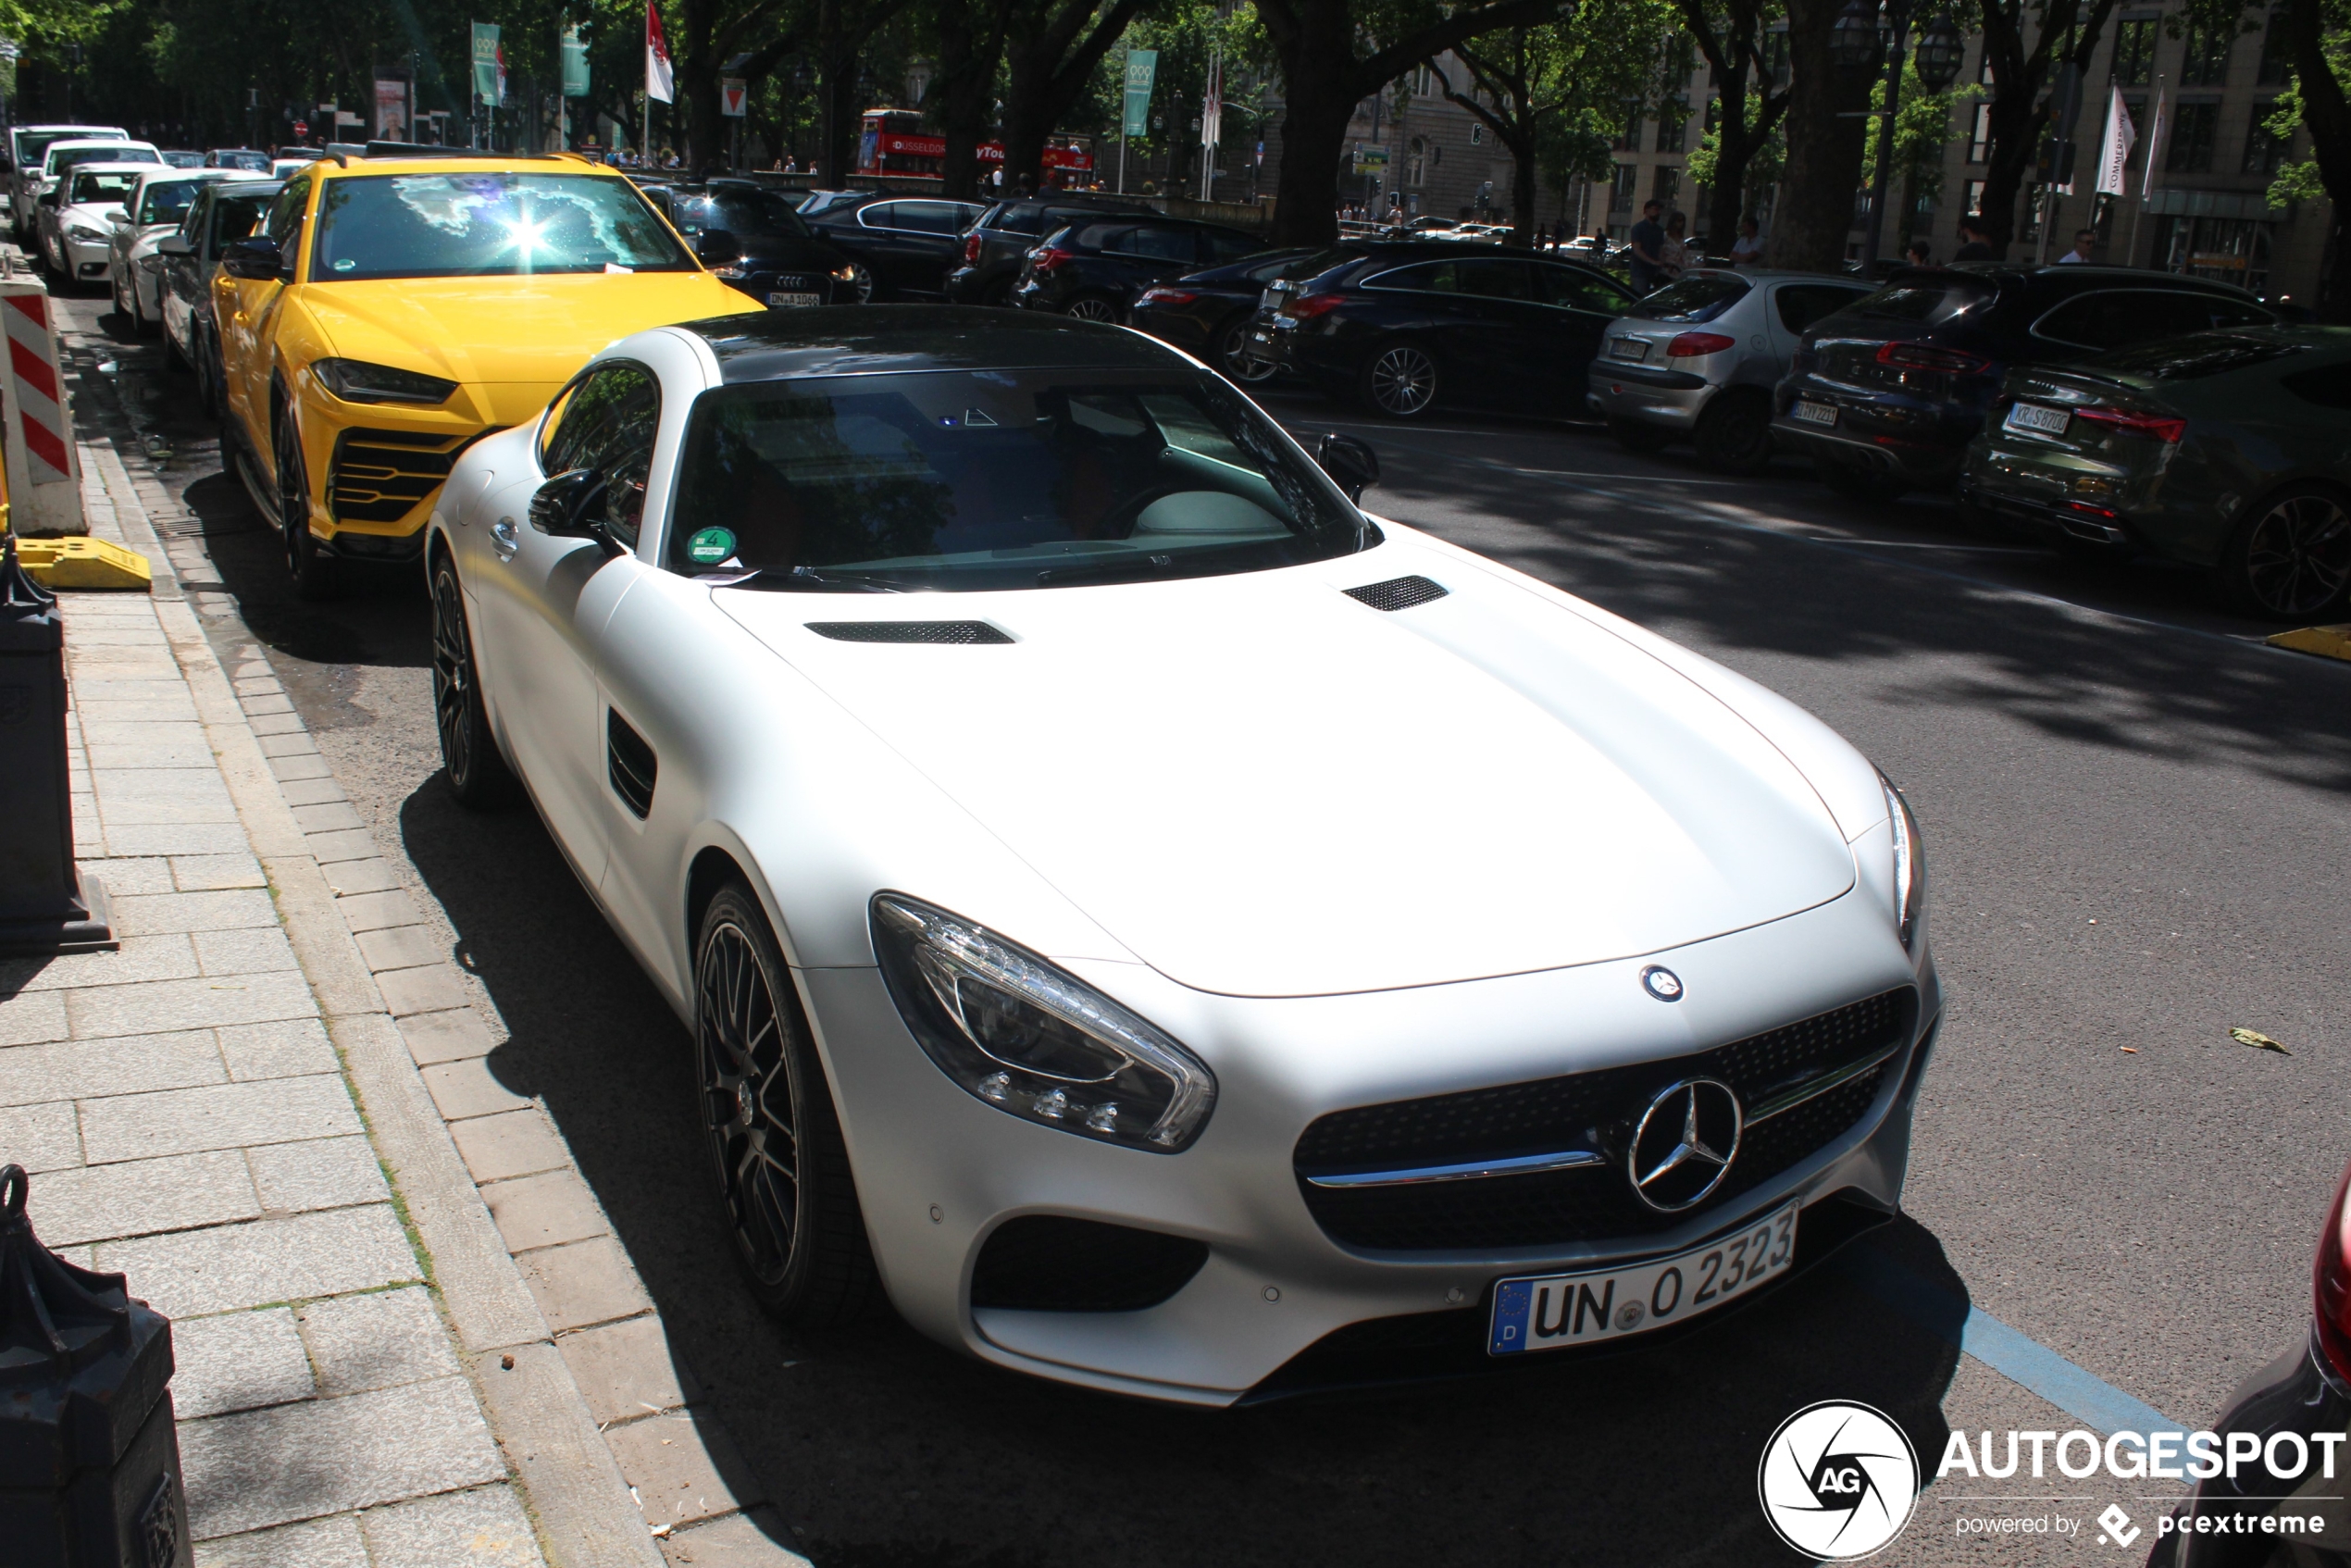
44 473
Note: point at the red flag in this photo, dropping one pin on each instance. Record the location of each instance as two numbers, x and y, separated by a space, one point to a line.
660 79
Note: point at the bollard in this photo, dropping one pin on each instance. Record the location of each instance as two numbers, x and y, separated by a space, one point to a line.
45 470
89 1456
45 905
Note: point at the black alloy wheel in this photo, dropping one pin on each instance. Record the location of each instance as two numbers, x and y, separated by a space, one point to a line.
1734 435
1091 307
478 774
1856 483
1637 435
775 1142
1238 353
312 572
861 283
2290 559
1399 381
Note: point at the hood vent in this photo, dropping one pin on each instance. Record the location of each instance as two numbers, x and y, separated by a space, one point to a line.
913 631
1398 592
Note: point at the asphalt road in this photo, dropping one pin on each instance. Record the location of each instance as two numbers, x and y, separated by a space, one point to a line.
2134 818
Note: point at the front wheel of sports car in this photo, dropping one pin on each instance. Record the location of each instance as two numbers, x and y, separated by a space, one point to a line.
478 774
1399 381
313 573
775 1141
2290 559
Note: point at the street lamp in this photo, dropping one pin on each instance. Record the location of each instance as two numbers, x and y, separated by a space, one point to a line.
1857 41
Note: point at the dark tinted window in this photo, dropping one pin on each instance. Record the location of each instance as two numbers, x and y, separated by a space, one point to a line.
607 424
1924 300
1578 290
1156 244
2120 317
2191 358
1498 279
1224 246
1701 296
235 217
1429 278
747 214
1801 305
2329 386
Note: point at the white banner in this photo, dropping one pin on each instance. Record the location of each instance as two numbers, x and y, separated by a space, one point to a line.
2114 156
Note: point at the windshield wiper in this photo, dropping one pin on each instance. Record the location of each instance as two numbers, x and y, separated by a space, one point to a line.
807 579
1105 571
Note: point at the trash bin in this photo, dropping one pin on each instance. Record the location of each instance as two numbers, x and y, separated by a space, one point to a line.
45 906
89 1457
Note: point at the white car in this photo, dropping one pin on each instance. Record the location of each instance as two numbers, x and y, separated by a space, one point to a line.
158 202
78 213
1178 934
27 147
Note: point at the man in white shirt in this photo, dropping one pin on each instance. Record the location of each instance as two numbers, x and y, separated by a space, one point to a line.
2085 241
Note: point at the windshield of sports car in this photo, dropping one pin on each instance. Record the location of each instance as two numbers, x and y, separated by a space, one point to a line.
995 480
475 225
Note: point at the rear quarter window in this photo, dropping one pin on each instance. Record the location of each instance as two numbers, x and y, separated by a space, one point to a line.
1801 305
1923 301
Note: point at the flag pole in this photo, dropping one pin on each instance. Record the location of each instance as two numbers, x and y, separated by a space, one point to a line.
2146 172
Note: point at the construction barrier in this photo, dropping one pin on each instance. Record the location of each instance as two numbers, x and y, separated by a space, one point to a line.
44 473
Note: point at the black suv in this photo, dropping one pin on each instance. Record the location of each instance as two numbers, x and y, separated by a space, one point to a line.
1095 270
751 237
1886 393
904 246
996 247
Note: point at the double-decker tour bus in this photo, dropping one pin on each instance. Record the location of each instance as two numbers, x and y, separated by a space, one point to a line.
893 142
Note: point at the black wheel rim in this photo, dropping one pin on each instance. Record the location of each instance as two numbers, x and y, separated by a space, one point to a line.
1746 437
2299 556
293 497
747 1102
862 281
1403 380
453 679
1090 310
1240 364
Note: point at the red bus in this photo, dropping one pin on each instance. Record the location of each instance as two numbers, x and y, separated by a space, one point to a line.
893 142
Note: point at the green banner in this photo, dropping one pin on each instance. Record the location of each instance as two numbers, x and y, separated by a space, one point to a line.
1142 69
486 62
575 64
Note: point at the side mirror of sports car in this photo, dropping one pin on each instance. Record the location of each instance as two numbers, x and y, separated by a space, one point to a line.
256 260
717 247
1350 463
570 504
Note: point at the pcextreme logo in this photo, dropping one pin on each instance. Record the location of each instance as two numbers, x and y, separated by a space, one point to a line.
1838 1480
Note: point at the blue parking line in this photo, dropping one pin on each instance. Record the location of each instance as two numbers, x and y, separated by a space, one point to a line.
2018 1357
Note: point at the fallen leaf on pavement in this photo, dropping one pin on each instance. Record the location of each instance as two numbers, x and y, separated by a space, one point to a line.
2259 1040
2130 1051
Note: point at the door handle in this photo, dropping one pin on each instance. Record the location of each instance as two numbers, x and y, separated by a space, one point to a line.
504 538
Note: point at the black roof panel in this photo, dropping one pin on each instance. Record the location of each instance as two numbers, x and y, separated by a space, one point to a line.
866 339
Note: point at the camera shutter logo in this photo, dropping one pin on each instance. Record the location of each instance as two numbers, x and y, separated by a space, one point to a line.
1838 1480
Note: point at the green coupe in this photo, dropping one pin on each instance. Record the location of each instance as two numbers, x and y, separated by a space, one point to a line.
2227 450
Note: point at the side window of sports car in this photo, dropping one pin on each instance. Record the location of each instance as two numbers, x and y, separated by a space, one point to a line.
607 423
285 213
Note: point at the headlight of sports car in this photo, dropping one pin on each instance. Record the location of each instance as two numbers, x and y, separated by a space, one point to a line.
356 380
1032 1041
1909 862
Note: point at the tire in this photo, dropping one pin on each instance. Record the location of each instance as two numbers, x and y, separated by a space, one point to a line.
860 277
2289 557
313 573
1232 353
1398 380
768 1117
1092 308
113 288
172 358
1856 483
141 324
1734 435
478 774
1635 436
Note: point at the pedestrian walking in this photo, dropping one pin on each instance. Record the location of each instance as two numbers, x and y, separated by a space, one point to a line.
1974 245
1649 248
1747 249
1919 253
1675 253
2085 241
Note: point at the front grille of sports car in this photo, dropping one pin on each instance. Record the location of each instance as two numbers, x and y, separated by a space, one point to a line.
1053 1264
380 476
1593 1111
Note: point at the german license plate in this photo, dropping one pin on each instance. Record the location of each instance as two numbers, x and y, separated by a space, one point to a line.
1628 348
787 301
1552 1312
2039 420
1814 413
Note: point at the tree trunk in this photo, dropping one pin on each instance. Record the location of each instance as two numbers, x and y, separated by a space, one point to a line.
2327 114
1523 172
1735 148
1314 116
2016 128
1052 55
1815 210
971 42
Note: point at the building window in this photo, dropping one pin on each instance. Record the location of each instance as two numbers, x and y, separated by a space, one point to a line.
1673 125
1978 144
1974 207
2134 52
2193 134
1666 185
1619 196
1416 162
2263 151
2277 50
2206 58
1628 128
1424 81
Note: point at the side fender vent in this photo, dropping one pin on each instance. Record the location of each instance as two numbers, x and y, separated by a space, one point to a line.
1398 592
912 631
630 764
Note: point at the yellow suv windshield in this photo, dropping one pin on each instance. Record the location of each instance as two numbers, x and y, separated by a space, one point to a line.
470 224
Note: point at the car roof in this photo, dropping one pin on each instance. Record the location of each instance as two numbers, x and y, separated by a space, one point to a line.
106 167
2077 273
1780 275
75 144
106 132
334 167
877 339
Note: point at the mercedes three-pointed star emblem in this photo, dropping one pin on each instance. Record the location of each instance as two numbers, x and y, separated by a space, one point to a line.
1684 1144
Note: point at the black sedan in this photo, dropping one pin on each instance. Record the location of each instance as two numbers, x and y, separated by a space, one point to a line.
2219 450
2279 1495
1096 272
996 247
1208 312
906 244
751 237
1405 326
1886 393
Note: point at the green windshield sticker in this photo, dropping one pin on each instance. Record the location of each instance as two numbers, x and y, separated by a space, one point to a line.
710 546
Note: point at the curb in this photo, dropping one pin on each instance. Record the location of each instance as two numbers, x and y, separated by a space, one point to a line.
583 1507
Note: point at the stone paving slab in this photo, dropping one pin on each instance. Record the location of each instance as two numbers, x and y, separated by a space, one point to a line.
133 1127
139 1197
325 1253
239 1361
685 1469
318 1543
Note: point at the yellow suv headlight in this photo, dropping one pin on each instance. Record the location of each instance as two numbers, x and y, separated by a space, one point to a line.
356 380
